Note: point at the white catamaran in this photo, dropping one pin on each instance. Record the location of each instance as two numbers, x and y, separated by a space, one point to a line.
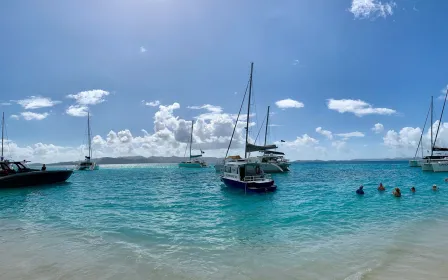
194 162
87 164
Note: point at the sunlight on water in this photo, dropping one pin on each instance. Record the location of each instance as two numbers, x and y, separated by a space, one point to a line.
158 221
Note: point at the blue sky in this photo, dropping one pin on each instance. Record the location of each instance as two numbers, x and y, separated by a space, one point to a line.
390 55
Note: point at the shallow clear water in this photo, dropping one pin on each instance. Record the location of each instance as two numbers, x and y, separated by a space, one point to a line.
159 221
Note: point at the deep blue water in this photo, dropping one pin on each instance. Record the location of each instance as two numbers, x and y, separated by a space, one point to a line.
159 221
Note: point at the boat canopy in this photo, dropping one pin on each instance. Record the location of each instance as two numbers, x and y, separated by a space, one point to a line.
273 153
195 156
438 149
254 148
234 157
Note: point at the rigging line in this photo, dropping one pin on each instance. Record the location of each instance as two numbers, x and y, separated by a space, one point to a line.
421 136
237 118
440 120
259 130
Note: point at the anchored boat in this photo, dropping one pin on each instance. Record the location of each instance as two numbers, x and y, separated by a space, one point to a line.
87 164
194 161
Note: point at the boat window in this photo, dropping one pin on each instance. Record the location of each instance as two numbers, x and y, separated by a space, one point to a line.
250 170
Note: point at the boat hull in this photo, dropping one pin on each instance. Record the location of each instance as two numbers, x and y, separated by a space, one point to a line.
427 166
274 168
267 186
191 165
440 166
34 178
415 163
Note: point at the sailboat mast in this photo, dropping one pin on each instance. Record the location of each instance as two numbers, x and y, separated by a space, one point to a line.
88 135
267 124
3 129
248 108
432 108
191 136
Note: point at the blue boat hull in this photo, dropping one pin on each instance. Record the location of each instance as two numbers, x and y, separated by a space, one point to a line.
250 186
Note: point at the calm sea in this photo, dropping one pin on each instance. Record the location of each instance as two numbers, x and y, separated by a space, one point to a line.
162 222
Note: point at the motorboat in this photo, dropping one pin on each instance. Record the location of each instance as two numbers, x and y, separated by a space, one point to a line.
248 176
87 164
15 174
193 161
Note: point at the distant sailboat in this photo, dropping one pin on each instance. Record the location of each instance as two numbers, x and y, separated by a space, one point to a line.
87 164
194 162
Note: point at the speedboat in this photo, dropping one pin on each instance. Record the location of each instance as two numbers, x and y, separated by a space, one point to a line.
248 176
15 174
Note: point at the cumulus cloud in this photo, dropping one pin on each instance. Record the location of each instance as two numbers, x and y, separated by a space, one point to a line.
14 117
154 103
77 110
363 9
33 116
304 140
289 103
142 49
350 134
406 138
90 97
378 128
325 133
36 102
357 107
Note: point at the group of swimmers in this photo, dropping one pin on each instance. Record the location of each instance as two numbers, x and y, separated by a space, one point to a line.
396 192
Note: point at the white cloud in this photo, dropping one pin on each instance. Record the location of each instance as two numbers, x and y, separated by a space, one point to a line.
295 62
444 91
357 107
89 97
339 145
305 140
289 103
5 104
77 110
208 107
35 102
142 49
33 116
14 117
363 9
154 103
378 128
350 134
406 138
325 133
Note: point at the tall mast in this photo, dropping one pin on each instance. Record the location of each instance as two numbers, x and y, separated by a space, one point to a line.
440 121
88 134
248 107
432 108
191 137
267 124
3 128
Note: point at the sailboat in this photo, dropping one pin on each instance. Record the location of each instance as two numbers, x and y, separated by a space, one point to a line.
415 162
271 161
87 164
193 162
439 163
15 174
241 173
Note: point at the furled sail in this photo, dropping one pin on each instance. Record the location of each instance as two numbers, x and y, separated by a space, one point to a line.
195 156
254 148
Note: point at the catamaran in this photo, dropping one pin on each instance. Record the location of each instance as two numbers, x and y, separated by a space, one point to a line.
241 173
194 162
271 161
87 164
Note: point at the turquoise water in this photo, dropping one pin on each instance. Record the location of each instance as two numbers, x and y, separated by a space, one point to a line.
159 221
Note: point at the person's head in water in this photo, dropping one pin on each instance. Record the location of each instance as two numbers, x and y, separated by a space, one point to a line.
381 187
397 192
434 187
360 190
413 189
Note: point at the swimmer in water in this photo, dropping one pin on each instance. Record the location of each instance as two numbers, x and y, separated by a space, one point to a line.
381 187
413 189
434 188
360 190
397 192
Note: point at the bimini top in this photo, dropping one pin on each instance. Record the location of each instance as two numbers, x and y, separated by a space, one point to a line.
234 157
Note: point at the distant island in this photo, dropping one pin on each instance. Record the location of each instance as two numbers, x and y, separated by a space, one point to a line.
209 160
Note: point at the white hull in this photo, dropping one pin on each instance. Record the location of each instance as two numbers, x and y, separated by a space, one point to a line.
427 166
192 165
273 168
92 167
415 163
440 166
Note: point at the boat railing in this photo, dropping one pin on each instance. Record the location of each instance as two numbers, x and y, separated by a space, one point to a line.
257 178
